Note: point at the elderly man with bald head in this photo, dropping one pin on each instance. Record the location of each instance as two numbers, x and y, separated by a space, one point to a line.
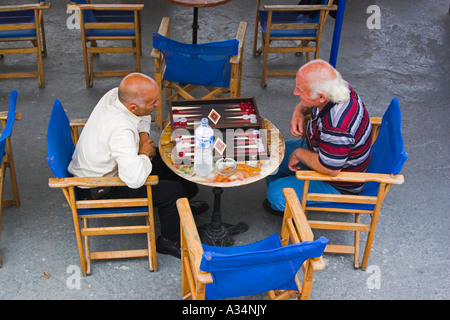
338 137
115 142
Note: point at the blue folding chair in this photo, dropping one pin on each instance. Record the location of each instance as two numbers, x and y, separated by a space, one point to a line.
112 23
182 67
289 24
387 159
8 118
23 23
270 265
60 149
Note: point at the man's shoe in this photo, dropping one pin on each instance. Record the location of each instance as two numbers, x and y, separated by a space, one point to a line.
167 246
198 207
268 207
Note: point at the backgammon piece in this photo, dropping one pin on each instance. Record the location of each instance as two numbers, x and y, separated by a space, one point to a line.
179 144
184 108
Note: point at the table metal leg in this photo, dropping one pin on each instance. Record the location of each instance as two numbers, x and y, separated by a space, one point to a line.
218 233
195 26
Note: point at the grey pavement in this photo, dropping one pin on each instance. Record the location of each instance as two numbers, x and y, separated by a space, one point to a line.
407 58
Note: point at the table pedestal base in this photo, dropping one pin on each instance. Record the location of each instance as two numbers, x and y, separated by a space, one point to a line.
218 233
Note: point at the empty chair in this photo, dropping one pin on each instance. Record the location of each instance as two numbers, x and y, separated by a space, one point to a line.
387 159
60 149
291 25
182 67
20 24
269 265
110 23
8 118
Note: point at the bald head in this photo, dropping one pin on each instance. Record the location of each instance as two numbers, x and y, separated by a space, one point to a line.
317 70
135 87
139 93
321 78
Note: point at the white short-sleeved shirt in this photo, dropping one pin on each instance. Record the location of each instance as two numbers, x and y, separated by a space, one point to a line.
109 144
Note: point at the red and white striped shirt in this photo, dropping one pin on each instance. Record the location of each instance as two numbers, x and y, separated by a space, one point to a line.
341 134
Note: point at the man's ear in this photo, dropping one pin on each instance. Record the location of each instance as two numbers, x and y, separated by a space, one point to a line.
132 107
321 98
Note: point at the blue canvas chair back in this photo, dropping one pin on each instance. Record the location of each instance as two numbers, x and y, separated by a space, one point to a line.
60 145
9 122
290 17
107 16
60 148
387 156
205 64
388 153
256 268
18 17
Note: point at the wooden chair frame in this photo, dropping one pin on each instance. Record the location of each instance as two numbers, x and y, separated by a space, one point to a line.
184 90
385 181
93 49
266 39
39 42
8 163
67 185
295 229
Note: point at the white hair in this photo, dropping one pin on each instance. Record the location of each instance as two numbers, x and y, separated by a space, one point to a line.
335 90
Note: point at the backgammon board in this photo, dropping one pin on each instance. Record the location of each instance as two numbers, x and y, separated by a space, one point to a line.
238 132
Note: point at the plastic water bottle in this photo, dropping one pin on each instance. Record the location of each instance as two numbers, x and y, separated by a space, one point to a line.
203 150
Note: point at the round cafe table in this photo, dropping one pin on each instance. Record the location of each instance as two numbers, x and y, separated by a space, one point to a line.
196 4
218 233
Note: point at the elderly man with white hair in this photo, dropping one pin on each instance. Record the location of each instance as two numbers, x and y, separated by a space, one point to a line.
338 137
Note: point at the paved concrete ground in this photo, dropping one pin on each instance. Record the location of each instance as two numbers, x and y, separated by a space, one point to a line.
406 58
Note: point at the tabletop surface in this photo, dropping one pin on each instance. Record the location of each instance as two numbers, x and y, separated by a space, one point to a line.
245 173
199 3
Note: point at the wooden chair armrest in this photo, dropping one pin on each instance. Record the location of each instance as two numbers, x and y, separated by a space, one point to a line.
375 121
301 224
23 7
360 177
240 36
118 7
164 29
4 115
193 240
94 182
300 7
78 122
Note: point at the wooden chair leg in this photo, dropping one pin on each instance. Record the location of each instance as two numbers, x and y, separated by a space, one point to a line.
12 172
357 242
265 54
86 66
43 41
87 248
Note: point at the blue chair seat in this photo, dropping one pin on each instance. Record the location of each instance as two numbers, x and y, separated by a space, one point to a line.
110 33
86 212
235 269
17 17
288 17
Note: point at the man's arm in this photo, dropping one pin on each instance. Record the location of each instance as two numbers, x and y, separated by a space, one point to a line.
311 159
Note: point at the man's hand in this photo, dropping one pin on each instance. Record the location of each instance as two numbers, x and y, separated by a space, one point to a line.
146 145
298 120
